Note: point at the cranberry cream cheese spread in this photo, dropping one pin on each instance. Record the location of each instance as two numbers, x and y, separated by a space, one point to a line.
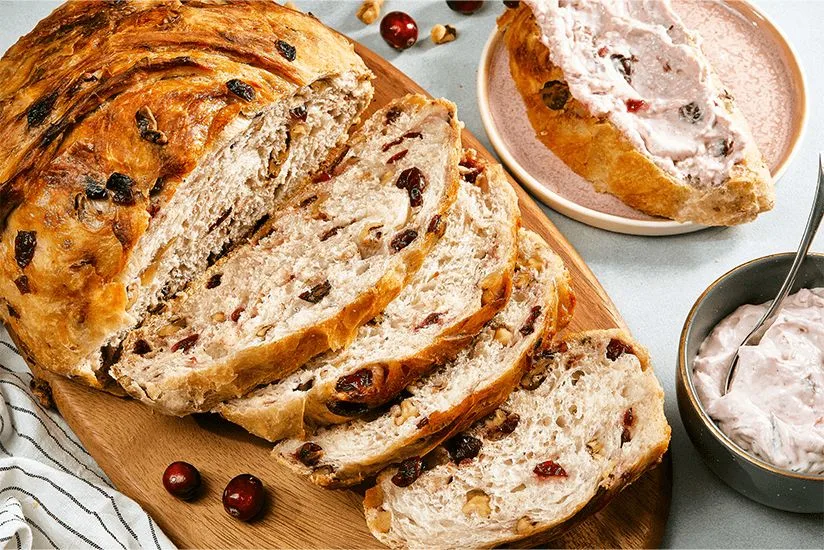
775 407
635 62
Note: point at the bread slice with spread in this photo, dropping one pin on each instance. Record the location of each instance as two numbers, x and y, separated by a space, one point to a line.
622 93
328 261
464 281
586 422
454 395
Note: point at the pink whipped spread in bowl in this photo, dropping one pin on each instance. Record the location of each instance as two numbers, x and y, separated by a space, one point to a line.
775 407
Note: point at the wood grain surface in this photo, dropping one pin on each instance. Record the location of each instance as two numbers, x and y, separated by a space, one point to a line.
134 445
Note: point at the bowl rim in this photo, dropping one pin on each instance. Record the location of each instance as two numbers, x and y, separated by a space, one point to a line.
685 376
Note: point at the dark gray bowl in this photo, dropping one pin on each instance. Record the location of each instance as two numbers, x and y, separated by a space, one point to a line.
754 282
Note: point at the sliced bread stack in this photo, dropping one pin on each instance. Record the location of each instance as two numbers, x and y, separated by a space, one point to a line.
464 281
586 423
455 394
328 261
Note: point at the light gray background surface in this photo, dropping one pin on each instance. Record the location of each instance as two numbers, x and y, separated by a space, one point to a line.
653 280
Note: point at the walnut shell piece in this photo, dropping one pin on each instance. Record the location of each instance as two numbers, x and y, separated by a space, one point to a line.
441 34
369 11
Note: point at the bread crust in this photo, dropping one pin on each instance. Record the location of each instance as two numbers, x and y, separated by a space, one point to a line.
69 94
598 151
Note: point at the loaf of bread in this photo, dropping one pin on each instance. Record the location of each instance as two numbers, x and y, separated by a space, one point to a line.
464 281
140 141
453 396
621 92
328 261
586 422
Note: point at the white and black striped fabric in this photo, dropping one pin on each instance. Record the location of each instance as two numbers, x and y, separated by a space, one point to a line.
52 493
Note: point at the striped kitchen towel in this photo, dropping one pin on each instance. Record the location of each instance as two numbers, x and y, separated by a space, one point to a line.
52 493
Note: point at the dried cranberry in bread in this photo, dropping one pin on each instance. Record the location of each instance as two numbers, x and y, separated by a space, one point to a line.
454 395
139 141
464 281
586 422
329 260
621 92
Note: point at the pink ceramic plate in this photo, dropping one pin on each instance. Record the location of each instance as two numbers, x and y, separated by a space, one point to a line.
756 63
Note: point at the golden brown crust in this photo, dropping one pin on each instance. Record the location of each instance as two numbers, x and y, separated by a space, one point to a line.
599 152
70 93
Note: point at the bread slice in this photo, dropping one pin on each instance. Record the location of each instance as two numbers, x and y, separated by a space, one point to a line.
463 283
140 141
330 260
621 92
587 422
454 395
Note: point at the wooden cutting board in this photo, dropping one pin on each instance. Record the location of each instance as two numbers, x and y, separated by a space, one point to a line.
134 445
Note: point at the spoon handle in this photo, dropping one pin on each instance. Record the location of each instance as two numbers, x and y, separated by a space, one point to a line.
813 222
770 315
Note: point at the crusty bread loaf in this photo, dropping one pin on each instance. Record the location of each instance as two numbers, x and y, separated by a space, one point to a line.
454 395
588 421
463 283
139 141
614 136
329 260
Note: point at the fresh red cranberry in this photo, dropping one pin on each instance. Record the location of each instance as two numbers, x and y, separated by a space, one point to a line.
399 30
466 7
243 497
182 480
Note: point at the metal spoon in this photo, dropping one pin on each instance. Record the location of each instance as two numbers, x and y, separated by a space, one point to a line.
771 314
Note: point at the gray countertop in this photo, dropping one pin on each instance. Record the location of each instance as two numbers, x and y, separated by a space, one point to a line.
653 280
